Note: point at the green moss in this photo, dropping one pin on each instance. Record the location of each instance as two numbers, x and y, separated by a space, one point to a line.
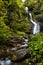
5 31
20 33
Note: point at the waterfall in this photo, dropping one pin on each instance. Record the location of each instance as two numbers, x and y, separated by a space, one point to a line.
36 27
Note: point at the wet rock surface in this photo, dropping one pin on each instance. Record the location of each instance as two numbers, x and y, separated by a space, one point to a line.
39 18
17 52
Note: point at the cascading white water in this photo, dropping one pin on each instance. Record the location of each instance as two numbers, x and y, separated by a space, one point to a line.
36 27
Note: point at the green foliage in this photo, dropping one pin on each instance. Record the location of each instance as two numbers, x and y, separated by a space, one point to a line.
12 18
35 6
21 33
5 31
36 47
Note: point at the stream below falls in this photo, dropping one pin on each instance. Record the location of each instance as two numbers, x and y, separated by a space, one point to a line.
22 47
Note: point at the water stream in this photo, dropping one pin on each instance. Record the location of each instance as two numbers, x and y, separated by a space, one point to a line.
8 61
5 62
36 27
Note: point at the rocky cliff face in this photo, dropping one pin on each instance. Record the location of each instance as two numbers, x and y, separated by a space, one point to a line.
39 18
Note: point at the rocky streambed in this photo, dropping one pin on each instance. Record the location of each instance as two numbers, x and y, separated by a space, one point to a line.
17 51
